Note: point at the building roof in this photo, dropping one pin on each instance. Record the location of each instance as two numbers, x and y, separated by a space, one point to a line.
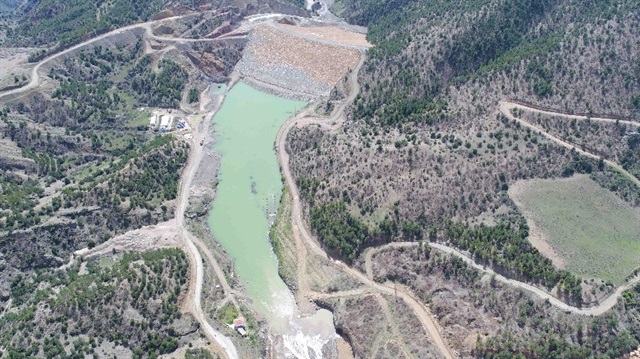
239 322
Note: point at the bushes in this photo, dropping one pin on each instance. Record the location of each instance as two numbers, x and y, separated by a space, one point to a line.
339 230
194 94
68 22
93 303
507 250
158 90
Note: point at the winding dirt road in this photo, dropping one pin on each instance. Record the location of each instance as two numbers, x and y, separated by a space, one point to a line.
520 106
300 231
506 107
147 26
195 287
600 309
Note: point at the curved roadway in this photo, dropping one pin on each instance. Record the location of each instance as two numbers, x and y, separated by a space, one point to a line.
35 77
422 312
600 309
506 107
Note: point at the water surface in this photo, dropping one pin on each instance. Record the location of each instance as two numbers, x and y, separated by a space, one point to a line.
246 201
249 189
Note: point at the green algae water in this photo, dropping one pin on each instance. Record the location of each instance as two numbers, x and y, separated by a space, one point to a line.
247 198
249 189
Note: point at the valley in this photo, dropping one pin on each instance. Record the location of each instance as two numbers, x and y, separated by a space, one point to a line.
267 180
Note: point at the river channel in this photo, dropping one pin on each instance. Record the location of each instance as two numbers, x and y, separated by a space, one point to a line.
247 198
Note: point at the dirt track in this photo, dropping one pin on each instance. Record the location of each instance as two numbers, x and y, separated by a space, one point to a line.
177 226
301 234
600 309
35 77
174 233
506 107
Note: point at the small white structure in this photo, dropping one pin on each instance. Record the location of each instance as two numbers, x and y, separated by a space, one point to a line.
153 121
166 123
240 325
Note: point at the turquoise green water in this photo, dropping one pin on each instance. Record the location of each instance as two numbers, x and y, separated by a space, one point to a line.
249 191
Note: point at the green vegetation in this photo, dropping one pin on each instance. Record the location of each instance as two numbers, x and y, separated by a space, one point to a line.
425 150
529 327
227 314
340 231
194 95
50 21
115 175
161 90
423 68
507 250
93 305
596 234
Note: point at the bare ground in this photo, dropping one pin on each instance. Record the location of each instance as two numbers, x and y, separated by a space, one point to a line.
329 33
295 63
14 62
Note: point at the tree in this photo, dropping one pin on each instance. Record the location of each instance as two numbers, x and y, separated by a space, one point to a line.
193 95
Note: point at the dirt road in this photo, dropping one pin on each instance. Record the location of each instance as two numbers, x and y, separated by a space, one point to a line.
35 77
300 230
196 277
600 309
506 107
521 106
174 233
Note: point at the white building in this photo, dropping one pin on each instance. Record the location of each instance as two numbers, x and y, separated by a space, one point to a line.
153 121
166 123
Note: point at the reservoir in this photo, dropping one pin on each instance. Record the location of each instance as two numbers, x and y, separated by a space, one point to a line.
247 198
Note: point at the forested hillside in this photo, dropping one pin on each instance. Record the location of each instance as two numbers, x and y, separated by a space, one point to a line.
48 21
127 304
425 143
426 153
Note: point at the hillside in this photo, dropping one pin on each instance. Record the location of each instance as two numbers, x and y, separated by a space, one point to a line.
426 143
429 153
471 180
81 165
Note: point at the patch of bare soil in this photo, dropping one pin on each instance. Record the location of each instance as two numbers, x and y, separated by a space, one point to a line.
14 65
460 320
536 235
330 33
159 236
344 349
370 327
323 277
413 334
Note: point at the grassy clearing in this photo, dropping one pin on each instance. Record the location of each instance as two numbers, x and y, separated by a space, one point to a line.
139 118
227 314
596 234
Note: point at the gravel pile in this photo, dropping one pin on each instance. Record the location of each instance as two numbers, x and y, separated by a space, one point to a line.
329 33
304 68
281 79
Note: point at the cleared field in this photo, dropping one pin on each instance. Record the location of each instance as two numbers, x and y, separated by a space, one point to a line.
593 232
